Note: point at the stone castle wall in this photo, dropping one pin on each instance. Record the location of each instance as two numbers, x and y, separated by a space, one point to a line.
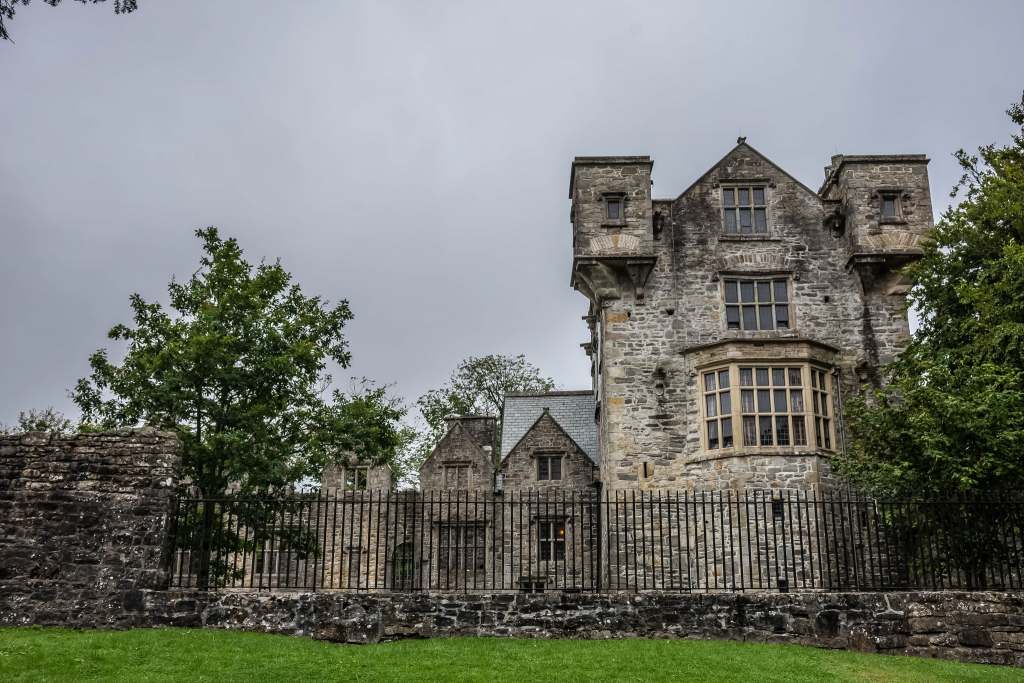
83 524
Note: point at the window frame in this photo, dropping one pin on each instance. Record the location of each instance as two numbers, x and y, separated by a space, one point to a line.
827 427
750 186
897 199
549 542
773 304
550 458
456 467
608 198
351 478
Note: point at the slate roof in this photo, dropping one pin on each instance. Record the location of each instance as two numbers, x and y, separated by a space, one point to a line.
572 410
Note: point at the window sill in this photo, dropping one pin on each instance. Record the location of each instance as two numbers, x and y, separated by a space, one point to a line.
748 238
787 451
613 224
892 221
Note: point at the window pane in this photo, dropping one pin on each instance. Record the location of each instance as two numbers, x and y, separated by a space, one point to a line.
764 401
710 405
709 381
824 405
765 317
614 209
727 432
542 468
725 400
749 318
556 468
744 197
759 196
781 293
731 292
794 377
762 377
827 432
747 400
723 379
764 291
765 425
782 315
796 399
730 220
888 207
814 403
779 377
713 434
782 430
746 377
745 220
749 431
760 220
799 432
817 430
780 401
732 317
814 379
747 292
728 197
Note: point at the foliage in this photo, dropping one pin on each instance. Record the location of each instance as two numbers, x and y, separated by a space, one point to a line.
169 654
48 420
237 367
7 8
951 419
477 386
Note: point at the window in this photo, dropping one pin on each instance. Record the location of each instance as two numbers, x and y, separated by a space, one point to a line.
529 584
890 208
456 476
549 467
614 209
552 540
461 547
718 409
767 404
757 304
745 210
356 478
819 402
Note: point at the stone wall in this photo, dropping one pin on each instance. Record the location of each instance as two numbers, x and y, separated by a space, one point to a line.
83 524
982 627
546 437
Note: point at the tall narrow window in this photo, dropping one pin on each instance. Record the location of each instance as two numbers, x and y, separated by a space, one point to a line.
890 209
552 540
614 208
745 210
820 397
718 409
755 304
549 467
461 546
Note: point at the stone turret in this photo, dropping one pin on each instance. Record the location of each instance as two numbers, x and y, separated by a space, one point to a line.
613 227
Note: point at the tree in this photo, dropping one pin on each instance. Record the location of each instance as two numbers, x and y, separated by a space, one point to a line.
48 420
7 8
951 419
237 368
477 386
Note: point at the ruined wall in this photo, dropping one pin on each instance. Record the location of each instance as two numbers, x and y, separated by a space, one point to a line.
83 524
983 627
458 447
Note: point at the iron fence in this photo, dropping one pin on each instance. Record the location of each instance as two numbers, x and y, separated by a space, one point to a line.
457 541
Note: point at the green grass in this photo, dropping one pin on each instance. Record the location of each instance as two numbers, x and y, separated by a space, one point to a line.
209 655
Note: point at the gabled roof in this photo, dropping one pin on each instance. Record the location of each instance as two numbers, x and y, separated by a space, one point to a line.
470 448
749 147
572 410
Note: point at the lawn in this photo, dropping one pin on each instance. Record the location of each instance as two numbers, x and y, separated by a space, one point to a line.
198 655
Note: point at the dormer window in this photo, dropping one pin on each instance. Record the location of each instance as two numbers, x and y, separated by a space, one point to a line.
745 210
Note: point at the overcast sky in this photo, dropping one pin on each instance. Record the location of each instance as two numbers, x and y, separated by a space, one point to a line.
413 157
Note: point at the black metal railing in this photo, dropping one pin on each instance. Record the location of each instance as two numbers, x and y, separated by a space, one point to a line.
457 541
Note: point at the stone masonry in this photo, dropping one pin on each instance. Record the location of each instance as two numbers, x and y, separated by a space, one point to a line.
658 273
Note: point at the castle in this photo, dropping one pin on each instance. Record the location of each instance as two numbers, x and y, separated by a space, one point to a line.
727 325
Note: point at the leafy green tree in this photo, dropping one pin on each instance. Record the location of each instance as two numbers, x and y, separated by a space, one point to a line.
48 420
949 425
951 419
237 366
7 8
477 386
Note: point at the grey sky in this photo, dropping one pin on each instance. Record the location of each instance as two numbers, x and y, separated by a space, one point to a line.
414 157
